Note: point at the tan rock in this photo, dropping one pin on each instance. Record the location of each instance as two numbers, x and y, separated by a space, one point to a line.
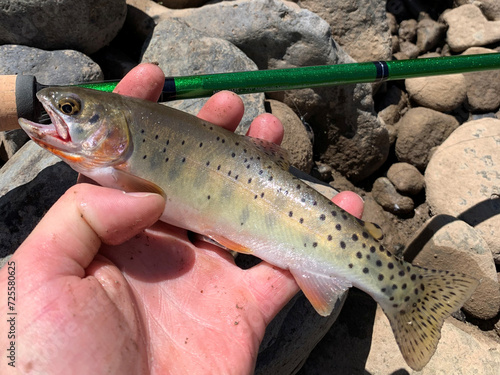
463 179
483 88
296 140
468 27
441 93
406 178
445 243
458 352
419 131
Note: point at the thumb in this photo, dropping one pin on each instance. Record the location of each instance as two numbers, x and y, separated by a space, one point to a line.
69 236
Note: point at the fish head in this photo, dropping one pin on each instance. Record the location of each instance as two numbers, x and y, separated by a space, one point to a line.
89 129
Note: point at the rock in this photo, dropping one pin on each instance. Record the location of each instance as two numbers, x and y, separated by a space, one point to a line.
296 140
441 93
385 194
468 27
393 23
483 88
408 30
49 67
10 142
85 26
430 34
462 179
361 342
181 4
491 9
392 104
419 131
359 26
406 178
445 243
409 49
182 50
459 352
30 183
352 141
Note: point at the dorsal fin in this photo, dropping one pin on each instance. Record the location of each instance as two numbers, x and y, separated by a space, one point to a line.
278 154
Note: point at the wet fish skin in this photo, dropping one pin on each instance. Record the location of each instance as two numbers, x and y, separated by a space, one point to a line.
238 191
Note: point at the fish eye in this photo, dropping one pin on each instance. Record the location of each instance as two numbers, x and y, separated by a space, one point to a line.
69 106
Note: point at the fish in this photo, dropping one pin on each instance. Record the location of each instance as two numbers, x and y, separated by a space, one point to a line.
238 191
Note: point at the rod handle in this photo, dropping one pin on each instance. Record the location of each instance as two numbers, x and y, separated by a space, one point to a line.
17 99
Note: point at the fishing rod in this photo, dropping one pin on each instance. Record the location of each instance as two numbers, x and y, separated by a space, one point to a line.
19 91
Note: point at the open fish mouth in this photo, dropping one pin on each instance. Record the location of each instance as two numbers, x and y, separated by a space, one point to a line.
54 136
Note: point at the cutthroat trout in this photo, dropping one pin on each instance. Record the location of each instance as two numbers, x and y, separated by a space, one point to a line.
238 191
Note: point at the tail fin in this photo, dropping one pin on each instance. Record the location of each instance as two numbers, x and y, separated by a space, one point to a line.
417 323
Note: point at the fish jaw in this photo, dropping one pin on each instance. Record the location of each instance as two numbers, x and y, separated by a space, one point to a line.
49 137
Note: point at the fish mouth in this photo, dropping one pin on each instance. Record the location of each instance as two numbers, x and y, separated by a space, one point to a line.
54 136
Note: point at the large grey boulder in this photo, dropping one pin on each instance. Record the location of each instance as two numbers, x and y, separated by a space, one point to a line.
86 25
274 35
62 67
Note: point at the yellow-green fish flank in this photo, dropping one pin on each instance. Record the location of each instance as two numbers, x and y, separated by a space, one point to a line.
238 191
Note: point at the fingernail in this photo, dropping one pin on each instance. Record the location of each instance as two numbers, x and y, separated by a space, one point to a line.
139 194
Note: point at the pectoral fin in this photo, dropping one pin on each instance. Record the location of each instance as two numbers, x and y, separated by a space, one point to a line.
322 291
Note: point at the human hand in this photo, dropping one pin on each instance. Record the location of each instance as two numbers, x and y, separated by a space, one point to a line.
103 288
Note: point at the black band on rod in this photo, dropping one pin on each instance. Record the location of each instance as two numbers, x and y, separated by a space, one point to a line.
382 71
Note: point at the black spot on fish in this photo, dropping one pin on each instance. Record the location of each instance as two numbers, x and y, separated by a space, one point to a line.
143 140
218 138
183 160
365 235
207 163
380 277
366 270
167 142
262 195
142 131
403 286
359 255
315 244
270 178
301 220
315 203
378 263
229 173
166 160
255 197
390 265
145 156
201 144
237 143
290 214
413 277
334 213
156 136
298 187
233 154
223 140
342 244
208 197
236 177
351 265
372 249
182 143
322 217
249 180
164 150
344 216
354 237
261 171
329 238
94 119
338 227
407 298
401 273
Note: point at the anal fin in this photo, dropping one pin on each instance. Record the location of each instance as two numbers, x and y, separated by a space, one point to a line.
321 290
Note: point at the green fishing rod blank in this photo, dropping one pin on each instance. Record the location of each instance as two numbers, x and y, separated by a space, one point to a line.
17 93
188 87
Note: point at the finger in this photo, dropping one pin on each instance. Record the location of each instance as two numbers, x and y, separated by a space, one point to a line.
69 236
145 81
271 287
223 109
268 127
349 201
